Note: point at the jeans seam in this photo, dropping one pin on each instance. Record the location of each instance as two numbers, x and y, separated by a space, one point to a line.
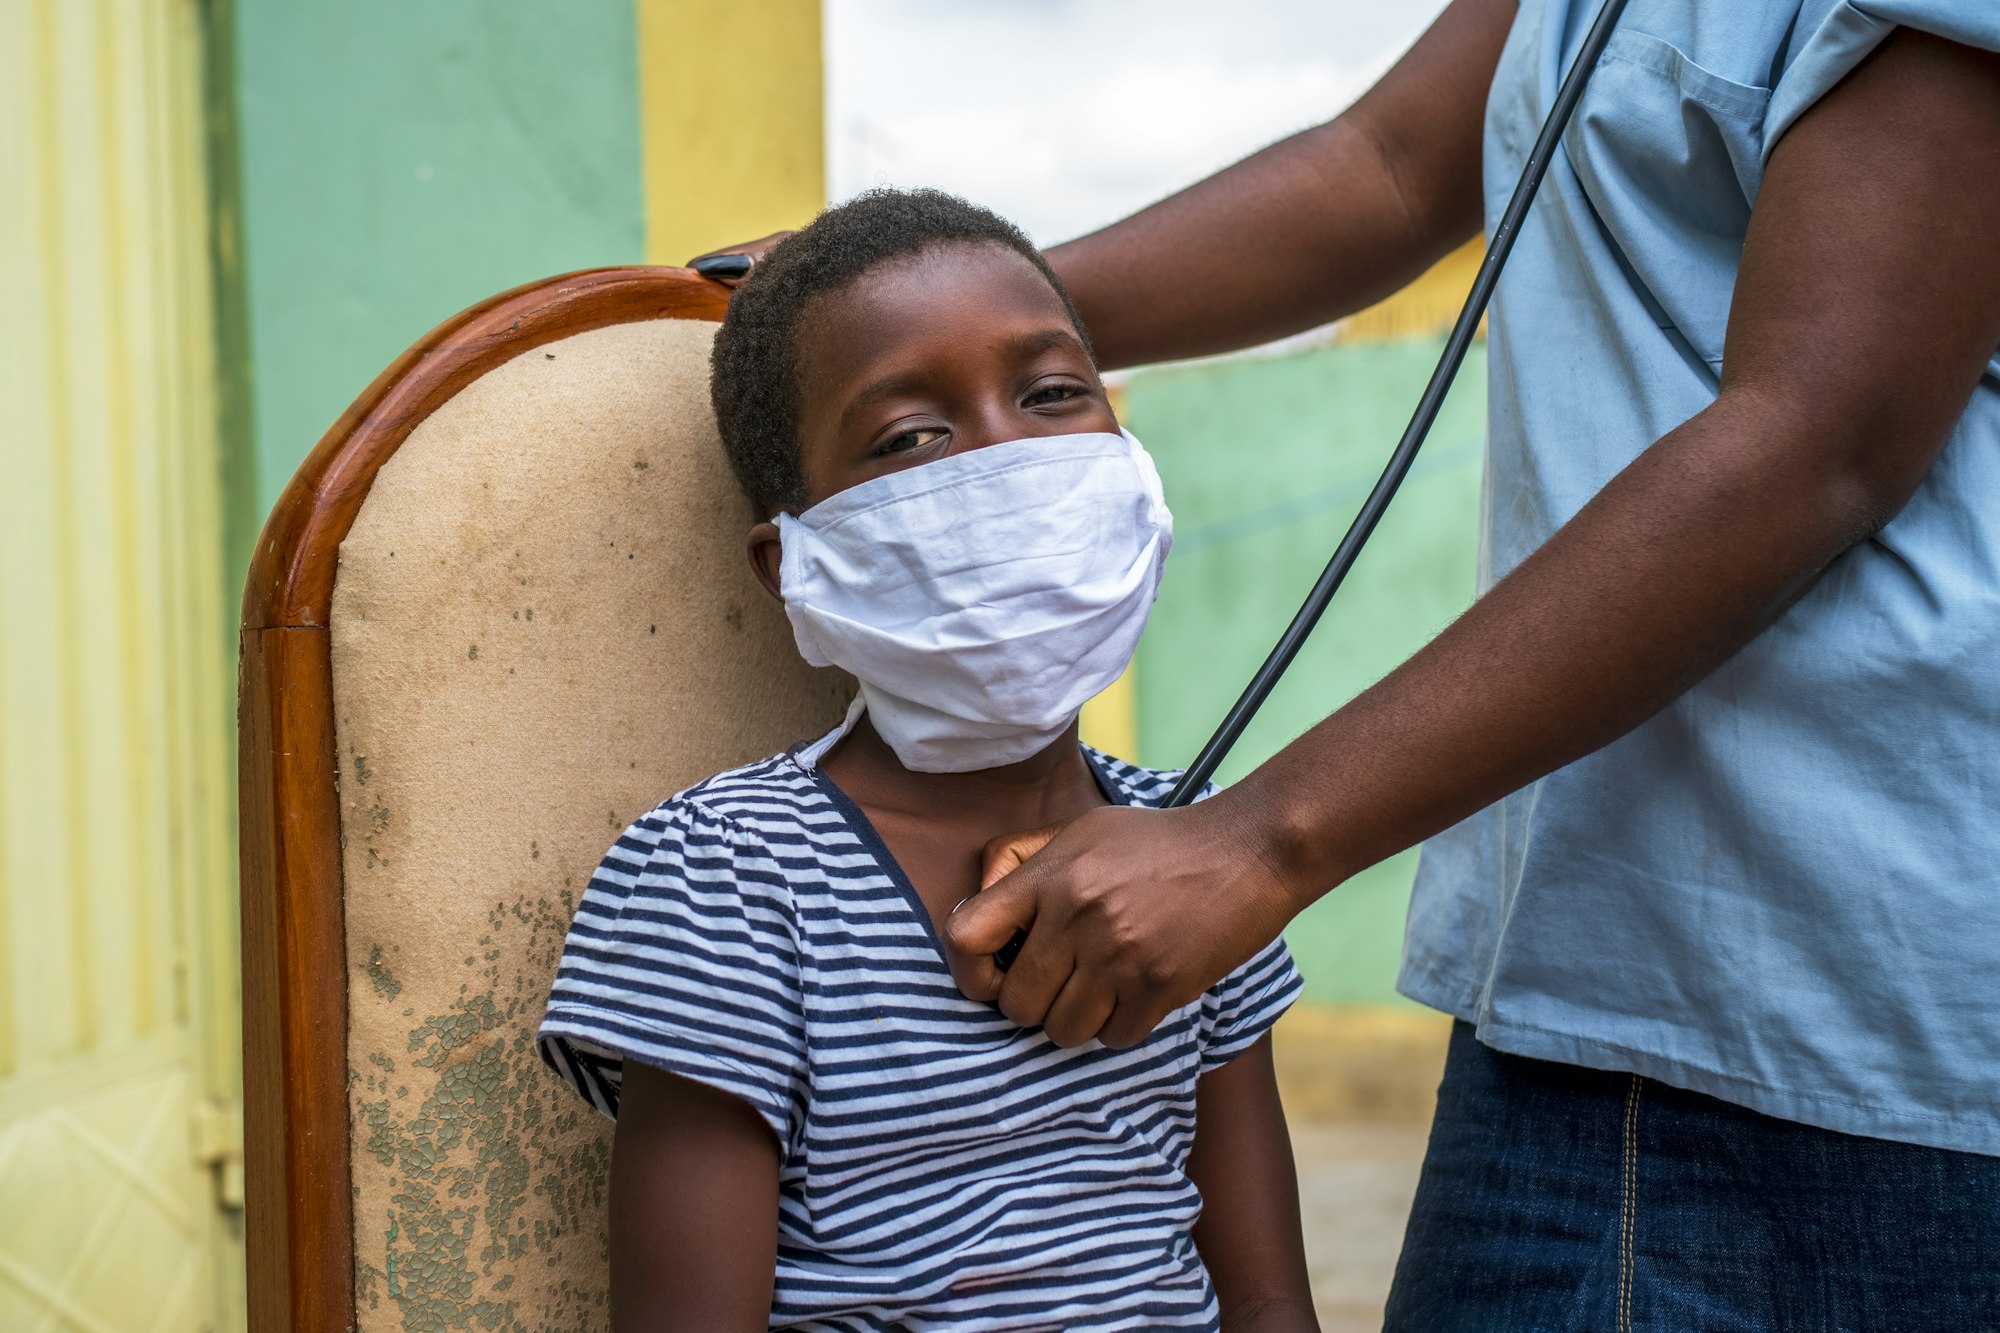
1631 1206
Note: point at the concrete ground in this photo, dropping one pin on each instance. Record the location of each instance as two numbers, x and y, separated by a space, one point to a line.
1355 1183
1359 1087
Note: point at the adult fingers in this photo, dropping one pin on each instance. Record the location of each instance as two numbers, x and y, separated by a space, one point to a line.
977 975
977 929
732 264
1038 975
989 918
1128 1024
1080 1010
1005 854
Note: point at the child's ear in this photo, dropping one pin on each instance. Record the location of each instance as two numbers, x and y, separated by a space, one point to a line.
765 554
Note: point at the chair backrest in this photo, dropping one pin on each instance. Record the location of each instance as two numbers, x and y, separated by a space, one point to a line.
502 610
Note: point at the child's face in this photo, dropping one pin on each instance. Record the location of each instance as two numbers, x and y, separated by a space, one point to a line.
953 349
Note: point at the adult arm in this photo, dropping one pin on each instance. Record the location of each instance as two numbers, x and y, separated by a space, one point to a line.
1312 228
1249 1234
1866 305
694 1209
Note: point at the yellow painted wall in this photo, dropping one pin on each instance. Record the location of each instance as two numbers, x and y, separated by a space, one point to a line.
731 95
1111 720
119 1046
117 1001
1426 307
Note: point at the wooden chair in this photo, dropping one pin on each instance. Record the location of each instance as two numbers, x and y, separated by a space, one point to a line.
501 610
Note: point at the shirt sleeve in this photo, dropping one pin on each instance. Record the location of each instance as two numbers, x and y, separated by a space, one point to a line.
1245 1005
1834 36
684 956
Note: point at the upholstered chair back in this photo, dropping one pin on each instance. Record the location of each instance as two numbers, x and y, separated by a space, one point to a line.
504 610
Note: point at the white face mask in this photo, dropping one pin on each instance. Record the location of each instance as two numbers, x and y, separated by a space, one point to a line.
981 599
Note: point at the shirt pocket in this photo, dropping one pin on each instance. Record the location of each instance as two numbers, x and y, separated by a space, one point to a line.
1670 156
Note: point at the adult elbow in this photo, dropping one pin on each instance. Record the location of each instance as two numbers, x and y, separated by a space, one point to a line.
1854 463
1877 466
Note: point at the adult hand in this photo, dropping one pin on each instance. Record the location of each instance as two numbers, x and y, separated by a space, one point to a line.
1130 913
732 264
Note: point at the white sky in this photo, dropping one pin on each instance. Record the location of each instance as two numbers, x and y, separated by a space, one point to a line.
1067 114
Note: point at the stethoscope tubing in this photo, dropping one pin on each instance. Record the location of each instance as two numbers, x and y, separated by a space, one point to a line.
1294 638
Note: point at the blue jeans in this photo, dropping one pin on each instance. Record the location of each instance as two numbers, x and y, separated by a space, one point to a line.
1563 1200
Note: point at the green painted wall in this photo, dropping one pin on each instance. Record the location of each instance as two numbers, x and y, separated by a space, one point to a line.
402 159
1265 461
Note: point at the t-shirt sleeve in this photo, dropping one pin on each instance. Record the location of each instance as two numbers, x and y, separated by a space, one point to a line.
684 956
1246 1003
1831 37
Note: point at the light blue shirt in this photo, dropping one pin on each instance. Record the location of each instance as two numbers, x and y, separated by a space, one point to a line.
1784 890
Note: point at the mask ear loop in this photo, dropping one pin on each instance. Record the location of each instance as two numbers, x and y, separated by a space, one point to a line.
1294 638
810 756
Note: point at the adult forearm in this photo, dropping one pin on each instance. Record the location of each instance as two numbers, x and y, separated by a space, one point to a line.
1861 323
1862 320
1304 232
1674 566
1310 229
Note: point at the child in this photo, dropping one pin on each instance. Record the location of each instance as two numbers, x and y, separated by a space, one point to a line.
815 1129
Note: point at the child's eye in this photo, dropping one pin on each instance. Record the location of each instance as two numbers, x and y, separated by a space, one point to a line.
1055 393
908 440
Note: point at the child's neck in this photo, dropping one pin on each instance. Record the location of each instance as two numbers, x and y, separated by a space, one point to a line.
1054 783
936 824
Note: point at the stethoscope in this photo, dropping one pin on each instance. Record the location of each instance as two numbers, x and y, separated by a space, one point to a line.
1294 638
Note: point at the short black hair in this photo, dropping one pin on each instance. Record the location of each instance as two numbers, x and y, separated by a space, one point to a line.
754 369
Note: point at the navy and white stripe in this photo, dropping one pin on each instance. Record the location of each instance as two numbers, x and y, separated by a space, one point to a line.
942 1168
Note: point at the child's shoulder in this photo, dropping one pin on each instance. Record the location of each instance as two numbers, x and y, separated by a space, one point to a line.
771 795
739 829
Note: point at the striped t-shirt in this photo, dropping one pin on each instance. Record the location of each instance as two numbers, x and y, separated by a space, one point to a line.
940 1166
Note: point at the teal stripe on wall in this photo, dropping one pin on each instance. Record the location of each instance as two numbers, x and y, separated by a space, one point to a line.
404 160
1265 460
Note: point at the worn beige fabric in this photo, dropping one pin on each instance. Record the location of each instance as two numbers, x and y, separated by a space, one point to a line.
544 625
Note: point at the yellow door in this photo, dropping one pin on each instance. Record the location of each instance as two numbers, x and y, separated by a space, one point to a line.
118 1055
